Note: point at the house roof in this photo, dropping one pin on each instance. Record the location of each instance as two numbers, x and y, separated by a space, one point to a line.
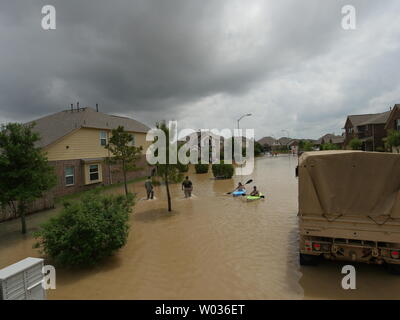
330 138
364 119
268 141
379 118
337 139
57 125
284 140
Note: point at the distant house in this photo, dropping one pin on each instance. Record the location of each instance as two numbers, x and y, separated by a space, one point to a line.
331 138
369 128
75 140
269 143
284 141
204 139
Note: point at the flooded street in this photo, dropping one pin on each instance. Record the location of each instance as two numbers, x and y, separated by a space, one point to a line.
212 246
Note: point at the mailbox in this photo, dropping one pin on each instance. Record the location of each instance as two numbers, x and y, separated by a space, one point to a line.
23 280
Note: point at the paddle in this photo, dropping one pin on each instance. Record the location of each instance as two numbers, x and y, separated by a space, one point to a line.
250 181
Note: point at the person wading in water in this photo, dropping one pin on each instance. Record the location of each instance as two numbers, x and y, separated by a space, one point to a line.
187 187
149 188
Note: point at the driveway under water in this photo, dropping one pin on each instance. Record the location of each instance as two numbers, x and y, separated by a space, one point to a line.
212 246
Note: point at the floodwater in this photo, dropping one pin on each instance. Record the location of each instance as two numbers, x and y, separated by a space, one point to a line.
212 246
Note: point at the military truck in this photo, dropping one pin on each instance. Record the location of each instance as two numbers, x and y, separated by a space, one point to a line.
349 207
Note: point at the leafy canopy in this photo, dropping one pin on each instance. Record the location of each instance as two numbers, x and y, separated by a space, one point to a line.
24 170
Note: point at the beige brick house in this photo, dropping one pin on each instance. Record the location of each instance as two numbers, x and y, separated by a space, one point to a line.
75 140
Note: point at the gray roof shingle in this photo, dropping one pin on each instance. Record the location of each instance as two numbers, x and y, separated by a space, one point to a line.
57 125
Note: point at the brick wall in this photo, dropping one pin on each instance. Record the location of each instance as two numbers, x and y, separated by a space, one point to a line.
111 174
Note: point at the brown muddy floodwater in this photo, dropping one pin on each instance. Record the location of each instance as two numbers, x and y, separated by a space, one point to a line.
212 246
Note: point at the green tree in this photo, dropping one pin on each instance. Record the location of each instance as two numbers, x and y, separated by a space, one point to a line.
25 173
329 146
258 149
393 139
86 231
308 146
168 172
123 152
355 144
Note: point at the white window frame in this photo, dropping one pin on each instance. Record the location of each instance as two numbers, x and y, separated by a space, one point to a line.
98 172
69 175
103 138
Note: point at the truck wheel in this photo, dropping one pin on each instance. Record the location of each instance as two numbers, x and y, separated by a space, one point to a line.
393 268
308 259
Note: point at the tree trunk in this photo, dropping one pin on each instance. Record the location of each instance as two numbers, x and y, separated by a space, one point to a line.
167 186
125 183
22 214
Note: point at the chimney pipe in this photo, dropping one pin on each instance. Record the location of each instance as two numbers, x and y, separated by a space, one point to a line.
97 107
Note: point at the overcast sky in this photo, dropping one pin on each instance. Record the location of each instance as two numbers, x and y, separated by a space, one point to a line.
204 63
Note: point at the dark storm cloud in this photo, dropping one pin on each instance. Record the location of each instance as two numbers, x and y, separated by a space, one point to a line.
155 58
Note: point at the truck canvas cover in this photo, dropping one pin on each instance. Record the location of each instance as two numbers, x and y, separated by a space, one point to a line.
349 183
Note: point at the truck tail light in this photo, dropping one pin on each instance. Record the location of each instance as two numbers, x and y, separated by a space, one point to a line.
317 247
395 254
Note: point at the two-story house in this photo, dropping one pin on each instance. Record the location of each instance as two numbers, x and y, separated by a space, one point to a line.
75 141
393 122
369 128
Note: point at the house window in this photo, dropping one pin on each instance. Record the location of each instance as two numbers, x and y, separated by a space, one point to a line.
132 143
69 173
94 172
103 138
398 124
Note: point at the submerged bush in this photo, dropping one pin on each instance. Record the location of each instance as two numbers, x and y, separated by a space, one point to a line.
86 231
183 167
201 168
223 170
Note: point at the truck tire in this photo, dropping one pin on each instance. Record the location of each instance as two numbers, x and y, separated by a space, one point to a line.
393 268
308 259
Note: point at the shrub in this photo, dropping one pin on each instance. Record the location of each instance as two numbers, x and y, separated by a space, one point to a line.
329 146
86 231
258 149
201 168
183 167
355 144
223 170
393 140
308 146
